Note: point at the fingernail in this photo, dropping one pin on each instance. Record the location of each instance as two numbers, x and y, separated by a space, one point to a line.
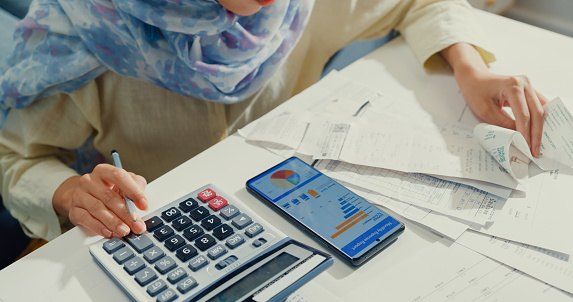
537 151
106 233
144 203
139 226
123 229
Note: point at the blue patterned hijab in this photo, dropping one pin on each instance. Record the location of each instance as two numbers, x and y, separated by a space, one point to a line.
193 47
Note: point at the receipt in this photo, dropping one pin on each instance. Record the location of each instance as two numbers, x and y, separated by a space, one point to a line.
325 137
511 151
557 140
508 147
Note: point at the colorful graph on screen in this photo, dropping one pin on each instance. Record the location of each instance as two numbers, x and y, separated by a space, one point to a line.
285 179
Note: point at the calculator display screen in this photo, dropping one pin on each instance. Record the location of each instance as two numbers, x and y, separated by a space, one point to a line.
255 278
338 215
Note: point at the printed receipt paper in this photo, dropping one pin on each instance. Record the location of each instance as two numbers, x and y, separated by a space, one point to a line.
510 149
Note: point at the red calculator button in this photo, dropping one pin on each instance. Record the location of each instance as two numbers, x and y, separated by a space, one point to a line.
206 195
218 203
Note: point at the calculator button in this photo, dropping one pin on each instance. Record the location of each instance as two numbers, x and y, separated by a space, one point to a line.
216 252
235 240
156 287
123 255
221 265
259 242
225 262
193 232
113 245
134 265
176 275
186 253
139 242
153 223
167 296
198 262
187 284
242 220
218 203
188 205
174 242
163 232
206 241
170 214
206 195
229 212
145 276
181 223
165 264
199 213
211 222
231 259
153 254
223 231
254 230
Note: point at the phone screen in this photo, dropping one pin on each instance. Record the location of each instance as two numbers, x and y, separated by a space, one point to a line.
332 211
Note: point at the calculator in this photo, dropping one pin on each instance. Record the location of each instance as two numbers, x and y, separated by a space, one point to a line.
207 246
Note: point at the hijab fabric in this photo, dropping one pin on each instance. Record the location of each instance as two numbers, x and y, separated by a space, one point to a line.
193 47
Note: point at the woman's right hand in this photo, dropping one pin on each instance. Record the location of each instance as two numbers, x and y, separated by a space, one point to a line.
94 200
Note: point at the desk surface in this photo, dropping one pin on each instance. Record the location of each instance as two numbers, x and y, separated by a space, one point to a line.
64 269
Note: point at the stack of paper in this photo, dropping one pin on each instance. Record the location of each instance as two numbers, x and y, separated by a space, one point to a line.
472 185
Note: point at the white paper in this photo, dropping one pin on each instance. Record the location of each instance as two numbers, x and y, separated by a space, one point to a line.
440 224
548 266
448 198
287 130
510 149
501 191
542 217
278 149
333 95
455 273
557 140
325 137
312 292
419 148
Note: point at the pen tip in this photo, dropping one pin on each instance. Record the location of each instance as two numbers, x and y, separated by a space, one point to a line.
113 151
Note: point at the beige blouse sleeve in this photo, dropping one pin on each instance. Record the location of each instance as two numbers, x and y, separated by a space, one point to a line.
430 26
34 151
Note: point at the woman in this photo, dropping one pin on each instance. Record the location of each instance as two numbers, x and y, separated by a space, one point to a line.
162 80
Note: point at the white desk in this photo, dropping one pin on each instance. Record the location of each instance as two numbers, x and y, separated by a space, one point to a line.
64 270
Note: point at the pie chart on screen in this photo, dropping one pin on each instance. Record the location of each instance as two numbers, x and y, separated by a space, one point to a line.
285 179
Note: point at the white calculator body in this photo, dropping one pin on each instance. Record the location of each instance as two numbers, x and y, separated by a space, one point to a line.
207 246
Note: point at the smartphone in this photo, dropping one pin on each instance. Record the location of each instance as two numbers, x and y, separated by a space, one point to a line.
346 223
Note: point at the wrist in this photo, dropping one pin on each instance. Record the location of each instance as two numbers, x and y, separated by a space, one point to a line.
62 199
466 74
465 61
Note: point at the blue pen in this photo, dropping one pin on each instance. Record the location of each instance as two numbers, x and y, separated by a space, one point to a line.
128 202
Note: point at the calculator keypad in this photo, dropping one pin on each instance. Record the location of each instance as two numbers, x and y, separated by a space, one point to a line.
195 231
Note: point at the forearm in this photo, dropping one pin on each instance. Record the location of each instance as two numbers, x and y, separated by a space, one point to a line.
27 189
432 26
